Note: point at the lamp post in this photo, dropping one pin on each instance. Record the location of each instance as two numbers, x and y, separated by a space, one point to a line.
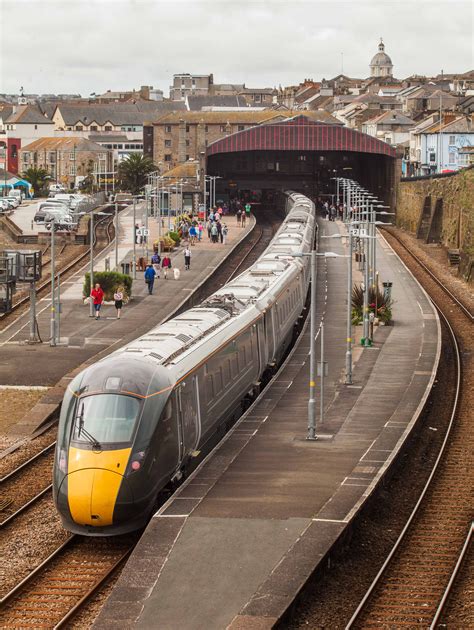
134 238
52 341
313 255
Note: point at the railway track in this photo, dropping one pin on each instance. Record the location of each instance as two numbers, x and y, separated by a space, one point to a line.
416 576
102 231
25 484
55 591
77 569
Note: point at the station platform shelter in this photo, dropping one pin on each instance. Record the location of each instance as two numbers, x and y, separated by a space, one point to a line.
299 154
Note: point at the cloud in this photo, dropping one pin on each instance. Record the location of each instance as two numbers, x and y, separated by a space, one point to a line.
75 46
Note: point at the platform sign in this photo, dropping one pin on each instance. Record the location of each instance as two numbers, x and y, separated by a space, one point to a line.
359 232
143 232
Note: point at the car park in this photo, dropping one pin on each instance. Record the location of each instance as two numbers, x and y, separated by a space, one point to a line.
50 210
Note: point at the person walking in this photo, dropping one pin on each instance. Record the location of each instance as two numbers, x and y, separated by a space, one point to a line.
214 232
238 214
118 299
225 231
166 264
209 228
192 234
242 219
97 296
200 228
150 278
156 262
187 258
248 208
219 231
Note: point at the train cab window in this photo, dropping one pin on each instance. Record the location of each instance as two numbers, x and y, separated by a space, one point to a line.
105 419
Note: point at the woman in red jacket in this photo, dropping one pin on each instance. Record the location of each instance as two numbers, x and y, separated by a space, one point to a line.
98 296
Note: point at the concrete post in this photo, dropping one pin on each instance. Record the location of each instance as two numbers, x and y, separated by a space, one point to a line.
312 354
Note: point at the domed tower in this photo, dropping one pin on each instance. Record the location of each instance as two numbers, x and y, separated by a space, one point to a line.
381 64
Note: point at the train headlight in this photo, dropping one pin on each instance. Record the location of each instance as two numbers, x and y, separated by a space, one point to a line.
62 460
135 462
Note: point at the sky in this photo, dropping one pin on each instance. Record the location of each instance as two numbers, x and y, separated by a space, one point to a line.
81 46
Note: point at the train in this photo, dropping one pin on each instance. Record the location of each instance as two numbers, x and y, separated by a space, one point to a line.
133 423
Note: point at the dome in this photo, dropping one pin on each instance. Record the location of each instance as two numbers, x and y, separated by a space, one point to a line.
381 59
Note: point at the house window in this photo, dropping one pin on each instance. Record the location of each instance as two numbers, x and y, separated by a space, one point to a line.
52 157
36 126
93 127
167 143
187 128
168 128
167 157
26 157
452 139
72 155
108 128
258 98
206 128
432 156
452 157
14 151
222 128
187 158
79 127
187 143
72 169
101 156
240 127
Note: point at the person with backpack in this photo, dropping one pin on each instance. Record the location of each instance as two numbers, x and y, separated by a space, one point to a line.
214 232
150 278
238 214
166 264
187 258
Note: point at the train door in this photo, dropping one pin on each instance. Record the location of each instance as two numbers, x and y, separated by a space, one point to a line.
269 334
189 415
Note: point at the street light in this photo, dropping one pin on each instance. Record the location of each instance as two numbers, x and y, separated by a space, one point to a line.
91 259
312 349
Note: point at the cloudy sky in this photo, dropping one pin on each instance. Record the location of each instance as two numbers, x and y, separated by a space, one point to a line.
64 46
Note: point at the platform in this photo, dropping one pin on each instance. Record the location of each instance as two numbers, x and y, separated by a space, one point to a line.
82 338
236 543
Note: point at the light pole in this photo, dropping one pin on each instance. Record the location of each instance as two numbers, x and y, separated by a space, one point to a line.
116 236
52 341
313 255
91 257
134 238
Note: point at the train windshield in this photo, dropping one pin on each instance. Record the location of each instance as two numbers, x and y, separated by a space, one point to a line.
105 419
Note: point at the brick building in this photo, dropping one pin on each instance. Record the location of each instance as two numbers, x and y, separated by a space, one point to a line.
66 159
180 136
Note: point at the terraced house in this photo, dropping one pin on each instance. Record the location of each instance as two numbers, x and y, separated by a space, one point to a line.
68 160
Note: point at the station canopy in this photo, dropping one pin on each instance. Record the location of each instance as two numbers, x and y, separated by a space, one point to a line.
300 134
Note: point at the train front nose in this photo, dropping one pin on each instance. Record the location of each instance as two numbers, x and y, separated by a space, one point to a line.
96 486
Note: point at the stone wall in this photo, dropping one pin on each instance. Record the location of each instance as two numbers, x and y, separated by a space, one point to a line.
456 223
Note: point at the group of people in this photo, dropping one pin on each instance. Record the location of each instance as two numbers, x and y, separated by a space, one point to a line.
242 213
97 296
159 264
331 211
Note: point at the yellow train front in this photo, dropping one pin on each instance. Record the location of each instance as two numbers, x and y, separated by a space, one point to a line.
114 451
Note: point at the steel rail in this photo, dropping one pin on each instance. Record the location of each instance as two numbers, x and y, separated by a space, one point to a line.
66 269
21 509
362 605
26 463
447 592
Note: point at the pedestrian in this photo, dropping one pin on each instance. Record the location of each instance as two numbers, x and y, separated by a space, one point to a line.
209 227
200 229
187 258
118 299
242 219
225 231
156 261
166 264
248 208
138 237
219 232
98 297
332 212
214 232
150 278
238 214
192 234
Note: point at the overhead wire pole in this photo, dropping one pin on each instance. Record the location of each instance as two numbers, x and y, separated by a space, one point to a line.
52 341
134 238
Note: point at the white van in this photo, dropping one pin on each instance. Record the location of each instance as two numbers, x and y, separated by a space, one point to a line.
17 194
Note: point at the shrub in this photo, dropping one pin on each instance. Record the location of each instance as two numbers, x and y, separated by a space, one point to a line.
384 306
166 243
109 281
175 237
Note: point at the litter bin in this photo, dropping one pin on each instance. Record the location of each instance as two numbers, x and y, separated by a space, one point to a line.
126 268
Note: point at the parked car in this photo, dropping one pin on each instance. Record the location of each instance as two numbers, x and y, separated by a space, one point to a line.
5 206
60 223
56 188
14 200
50 210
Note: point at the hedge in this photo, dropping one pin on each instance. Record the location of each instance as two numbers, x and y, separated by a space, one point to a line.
110 281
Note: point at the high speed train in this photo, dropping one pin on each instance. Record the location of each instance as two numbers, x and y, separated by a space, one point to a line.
132 423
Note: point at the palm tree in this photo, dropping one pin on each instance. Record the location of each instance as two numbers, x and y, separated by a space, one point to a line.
37 178
133 172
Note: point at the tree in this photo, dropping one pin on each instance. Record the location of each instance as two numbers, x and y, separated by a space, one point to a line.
37 177
133 172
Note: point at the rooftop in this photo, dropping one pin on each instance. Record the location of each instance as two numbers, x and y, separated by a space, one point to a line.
63 144
28 114
244 117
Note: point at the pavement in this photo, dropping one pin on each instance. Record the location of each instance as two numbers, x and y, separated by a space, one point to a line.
239 539
83 338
